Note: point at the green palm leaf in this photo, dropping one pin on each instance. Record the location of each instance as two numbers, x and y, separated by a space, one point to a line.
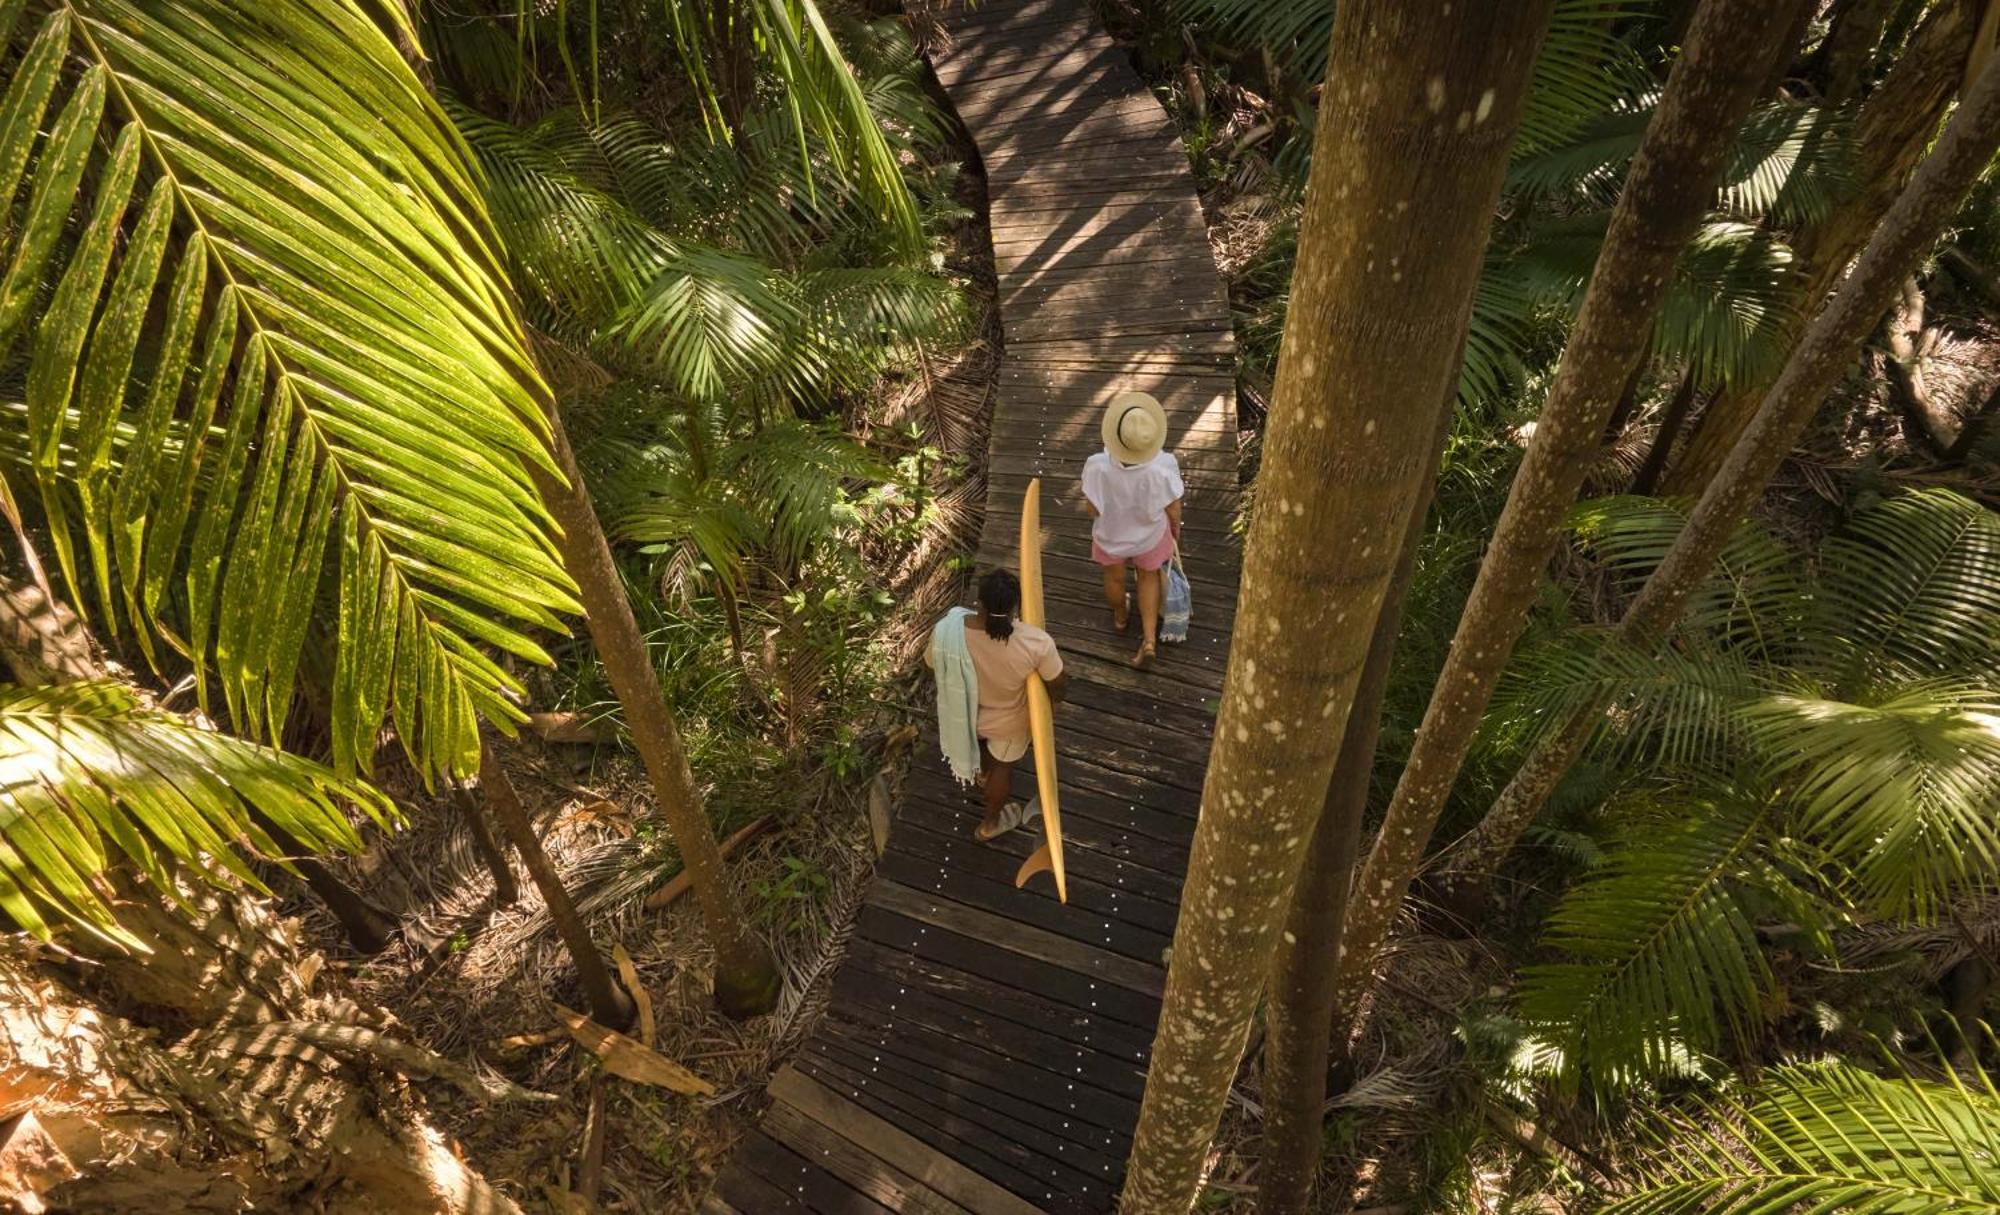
1728 311
825 101
1903 791
1754 600
87 773
1835 1139
1584 68
281 228
1665 955
1911 584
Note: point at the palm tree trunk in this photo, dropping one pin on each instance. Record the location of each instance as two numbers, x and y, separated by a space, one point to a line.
746 976
1848 52
506 891
1720 74
1672 420
1298 1008
1926 426
1823 355
609 1003
1420 110
1895 127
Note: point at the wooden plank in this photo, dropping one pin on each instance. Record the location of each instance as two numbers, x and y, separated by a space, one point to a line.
857 1166
741 1187
962 856
931 1075
1059 55
1027 940
1000 1059
896 1148
890 972
942 1119
1047 981
786 1170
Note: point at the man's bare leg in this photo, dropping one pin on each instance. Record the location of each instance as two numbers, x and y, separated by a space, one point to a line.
996 780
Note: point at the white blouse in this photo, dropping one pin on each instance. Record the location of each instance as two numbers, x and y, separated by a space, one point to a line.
1131 501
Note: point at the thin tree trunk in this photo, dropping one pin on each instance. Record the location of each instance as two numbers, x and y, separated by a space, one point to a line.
1845 57
1926 427
1673 419
1298 1009
1728 53
1420 109
1628 398
1895 127
609 1003
1822 356
506 891
746 976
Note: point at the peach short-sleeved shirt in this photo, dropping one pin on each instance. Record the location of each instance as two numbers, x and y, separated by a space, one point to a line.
1003 668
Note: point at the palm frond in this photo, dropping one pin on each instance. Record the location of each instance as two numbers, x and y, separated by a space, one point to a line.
88 774
709 320
1755 598
825 101
1903 791
1791 164
1584 69
1911 584
1674 710
278 225
1728 311
1830 1137
1665 955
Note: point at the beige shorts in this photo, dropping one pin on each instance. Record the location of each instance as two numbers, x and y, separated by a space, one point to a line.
1006 750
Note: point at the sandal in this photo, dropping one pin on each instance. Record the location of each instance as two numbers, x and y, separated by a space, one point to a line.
1143 660
1012 815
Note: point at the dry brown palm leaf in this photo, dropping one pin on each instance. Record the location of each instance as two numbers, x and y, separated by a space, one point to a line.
622 1056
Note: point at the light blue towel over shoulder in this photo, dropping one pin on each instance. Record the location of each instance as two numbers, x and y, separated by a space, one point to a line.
957 695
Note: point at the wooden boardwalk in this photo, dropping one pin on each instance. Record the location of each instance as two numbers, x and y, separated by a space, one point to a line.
985 1048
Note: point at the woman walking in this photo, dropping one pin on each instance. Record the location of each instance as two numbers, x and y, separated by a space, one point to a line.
983 661
1133 490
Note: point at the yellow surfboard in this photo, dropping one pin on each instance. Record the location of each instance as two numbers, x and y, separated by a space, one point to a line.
1041 711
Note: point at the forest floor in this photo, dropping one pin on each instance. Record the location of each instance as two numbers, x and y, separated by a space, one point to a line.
474 981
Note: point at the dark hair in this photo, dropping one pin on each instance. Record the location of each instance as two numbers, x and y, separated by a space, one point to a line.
999 595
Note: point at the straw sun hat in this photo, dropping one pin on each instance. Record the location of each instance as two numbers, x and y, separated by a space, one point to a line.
1135 427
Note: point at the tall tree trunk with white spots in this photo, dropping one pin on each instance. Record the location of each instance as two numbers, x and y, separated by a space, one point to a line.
1298 1007
1823 355
1731 48
1421 103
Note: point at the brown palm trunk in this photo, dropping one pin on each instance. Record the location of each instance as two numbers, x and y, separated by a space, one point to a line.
1720 74
1420 110
1298 1008
746 976
1895 127
609 1003
1823 355
1848 52
1672 419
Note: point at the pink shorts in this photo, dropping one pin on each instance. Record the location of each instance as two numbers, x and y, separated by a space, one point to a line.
1151 559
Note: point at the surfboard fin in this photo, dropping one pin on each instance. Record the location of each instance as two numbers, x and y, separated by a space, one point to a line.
1038 862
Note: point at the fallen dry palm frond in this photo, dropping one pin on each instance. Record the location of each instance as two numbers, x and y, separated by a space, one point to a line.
622 1056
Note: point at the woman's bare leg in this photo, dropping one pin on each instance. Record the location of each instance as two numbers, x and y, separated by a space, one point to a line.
1114 596
1150 584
